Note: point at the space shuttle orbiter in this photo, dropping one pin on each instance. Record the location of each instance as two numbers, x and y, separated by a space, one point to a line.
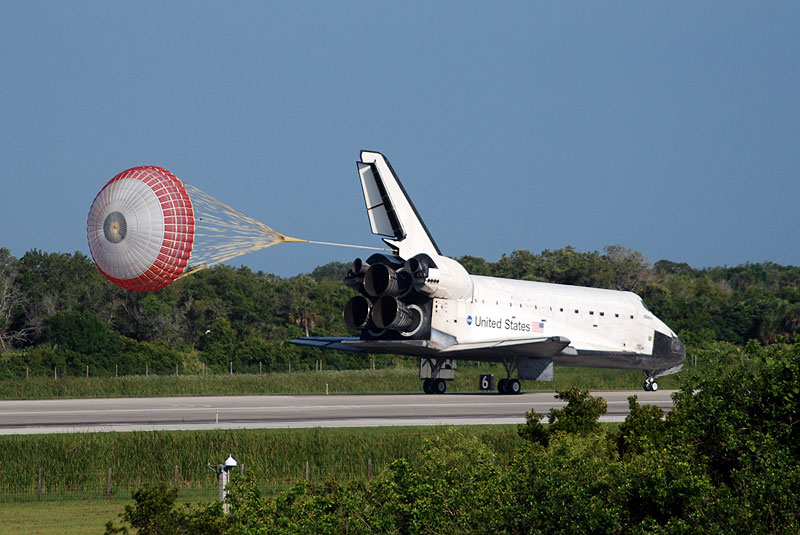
419 303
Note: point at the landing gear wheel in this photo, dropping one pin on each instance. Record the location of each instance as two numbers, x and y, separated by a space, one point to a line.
427 387
650 385
509 386
439 386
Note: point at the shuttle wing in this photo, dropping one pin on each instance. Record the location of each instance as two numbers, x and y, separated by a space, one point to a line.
526 347
422 348
489 351
327 342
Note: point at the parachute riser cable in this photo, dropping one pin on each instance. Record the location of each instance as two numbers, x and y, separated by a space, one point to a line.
348 245
234 252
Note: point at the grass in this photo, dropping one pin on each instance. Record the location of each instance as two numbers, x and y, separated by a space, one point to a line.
61 518
76 465
390 380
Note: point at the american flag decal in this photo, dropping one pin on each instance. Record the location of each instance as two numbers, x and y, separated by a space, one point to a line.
537 327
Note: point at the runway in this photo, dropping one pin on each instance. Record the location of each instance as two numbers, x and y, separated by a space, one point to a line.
270 412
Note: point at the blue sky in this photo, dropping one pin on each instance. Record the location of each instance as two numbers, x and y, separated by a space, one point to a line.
669 128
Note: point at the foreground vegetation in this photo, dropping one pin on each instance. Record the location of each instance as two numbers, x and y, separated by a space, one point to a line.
726 459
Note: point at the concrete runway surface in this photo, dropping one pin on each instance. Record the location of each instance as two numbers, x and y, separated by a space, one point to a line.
271 412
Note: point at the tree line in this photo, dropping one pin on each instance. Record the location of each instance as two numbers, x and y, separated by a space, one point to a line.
58 311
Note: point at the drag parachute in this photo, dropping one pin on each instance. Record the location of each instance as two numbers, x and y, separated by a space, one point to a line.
146 229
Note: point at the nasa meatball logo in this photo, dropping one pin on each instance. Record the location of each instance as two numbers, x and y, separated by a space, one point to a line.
469 320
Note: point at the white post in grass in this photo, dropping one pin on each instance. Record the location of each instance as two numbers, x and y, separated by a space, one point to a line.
224 472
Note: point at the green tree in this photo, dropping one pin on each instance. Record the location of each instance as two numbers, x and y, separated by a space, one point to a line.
643 427
570 487
12 302
458 488
580 416
476 265
333 271
83 338
738 421
153 513
533 430
629 268
661 491
218 344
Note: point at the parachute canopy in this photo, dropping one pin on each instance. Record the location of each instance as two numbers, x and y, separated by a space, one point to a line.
141 228
146 229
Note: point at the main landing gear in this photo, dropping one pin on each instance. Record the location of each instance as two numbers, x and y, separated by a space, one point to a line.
434 386
650 384
435 374
509 385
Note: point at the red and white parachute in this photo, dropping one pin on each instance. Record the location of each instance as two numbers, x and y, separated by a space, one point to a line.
146 229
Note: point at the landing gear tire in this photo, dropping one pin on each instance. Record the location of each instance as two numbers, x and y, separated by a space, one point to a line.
509 386
439 386
427 387
650 385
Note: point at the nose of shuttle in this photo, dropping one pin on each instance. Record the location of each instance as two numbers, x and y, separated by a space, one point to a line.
677 349
669 350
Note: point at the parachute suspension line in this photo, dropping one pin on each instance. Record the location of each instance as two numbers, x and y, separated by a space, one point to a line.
223 233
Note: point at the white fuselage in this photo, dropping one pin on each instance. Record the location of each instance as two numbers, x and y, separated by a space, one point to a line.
592 319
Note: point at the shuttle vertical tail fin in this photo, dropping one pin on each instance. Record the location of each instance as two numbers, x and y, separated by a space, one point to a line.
390 210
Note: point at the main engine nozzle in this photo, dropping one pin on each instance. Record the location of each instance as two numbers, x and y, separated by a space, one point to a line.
381 280
357 312
389 313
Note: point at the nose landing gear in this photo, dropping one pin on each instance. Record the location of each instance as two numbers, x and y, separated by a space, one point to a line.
434 386
650 384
